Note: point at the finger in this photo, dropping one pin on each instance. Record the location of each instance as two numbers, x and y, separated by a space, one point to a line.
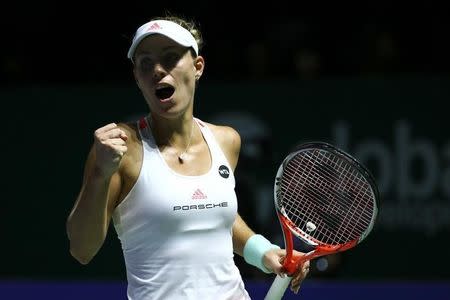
295 284
110 134
302 268
117 141
299 276
306 264
105 128
297 281
303 272
123 136
120 149
295 288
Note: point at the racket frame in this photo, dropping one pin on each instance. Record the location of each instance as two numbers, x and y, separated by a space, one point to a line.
292 261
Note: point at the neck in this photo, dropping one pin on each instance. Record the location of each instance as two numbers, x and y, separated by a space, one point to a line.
178 136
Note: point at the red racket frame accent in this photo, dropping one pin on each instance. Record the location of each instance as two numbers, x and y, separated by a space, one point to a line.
291 261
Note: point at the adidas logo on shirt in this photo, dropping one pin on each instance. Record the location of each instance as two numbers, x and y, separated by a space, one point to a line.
198 194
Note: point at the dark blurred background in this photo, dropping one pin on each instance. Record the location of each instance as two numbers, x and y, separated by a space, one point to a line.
373 79
78 43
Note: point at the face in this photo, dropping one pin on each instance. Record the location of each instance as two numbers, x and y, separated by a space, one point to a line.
166 73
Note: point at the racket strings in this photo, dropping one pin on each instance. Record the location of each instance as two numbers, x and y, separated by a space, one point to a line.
331 222
326 190
294 189
330 227
318 186
362 212
333 209
310 211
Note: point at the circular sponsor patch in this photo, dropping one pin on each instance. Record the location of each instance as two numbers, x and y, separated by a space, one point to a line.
224 171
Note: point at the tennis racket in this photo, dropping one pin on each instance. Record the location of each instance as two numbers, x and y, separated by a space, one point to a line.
325 197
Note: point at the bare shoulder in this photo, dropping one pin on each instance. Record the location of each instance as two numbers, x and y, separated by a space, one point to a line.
133 141
130 130
226 136
229 140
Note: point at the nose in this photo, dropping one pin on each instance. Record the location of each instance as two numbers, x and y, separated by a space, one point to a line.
159 72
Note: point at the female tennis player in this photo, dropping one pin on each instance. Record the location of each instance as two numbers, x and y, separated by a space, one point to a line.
167 183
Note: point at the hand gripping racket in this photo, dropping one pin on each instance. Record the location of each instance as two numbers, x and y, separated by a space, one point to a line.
326 198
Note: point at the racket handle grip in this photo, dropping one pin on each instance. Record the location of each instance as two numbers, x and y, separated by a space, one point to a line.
278 287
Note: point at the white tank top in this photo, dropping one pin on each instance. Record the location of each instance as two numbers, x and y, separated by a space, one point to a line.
176 230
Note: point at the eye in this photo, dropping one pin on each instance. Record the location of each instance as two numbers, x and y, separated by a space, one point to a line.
171 59
145 64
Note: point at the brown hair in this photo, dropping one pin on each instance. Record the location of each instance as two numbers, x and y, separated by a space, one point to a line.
188 24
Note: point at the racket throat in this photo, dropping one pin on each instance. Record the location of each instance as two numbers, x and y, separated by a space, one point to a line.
323 250
290 262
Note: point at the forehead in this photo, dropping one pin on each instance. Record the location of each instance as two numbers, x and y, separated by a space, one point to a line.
156 43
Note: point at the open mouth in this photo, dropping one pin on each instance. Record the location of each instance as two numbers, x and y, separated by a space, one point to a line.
164 92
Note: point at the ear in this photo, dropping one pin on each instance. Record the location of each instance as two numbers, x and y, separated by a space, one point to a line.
199 65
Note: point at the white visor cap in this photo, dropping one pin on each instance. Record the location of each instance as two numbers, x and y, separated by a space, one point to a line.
169 29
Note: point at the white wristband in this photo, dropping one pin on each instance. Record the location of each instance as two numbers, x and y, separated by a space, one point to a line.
254 250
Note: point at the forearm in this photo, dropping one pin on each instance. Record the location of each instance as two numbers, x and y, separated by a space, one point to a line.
255 248
241 233
88 222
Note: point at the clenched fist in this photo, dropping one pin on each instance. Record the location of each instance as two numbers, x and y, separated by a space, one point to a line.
110 146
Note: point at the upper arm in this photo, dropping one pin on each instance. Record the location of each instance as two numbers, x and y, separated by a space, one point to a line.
230 142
